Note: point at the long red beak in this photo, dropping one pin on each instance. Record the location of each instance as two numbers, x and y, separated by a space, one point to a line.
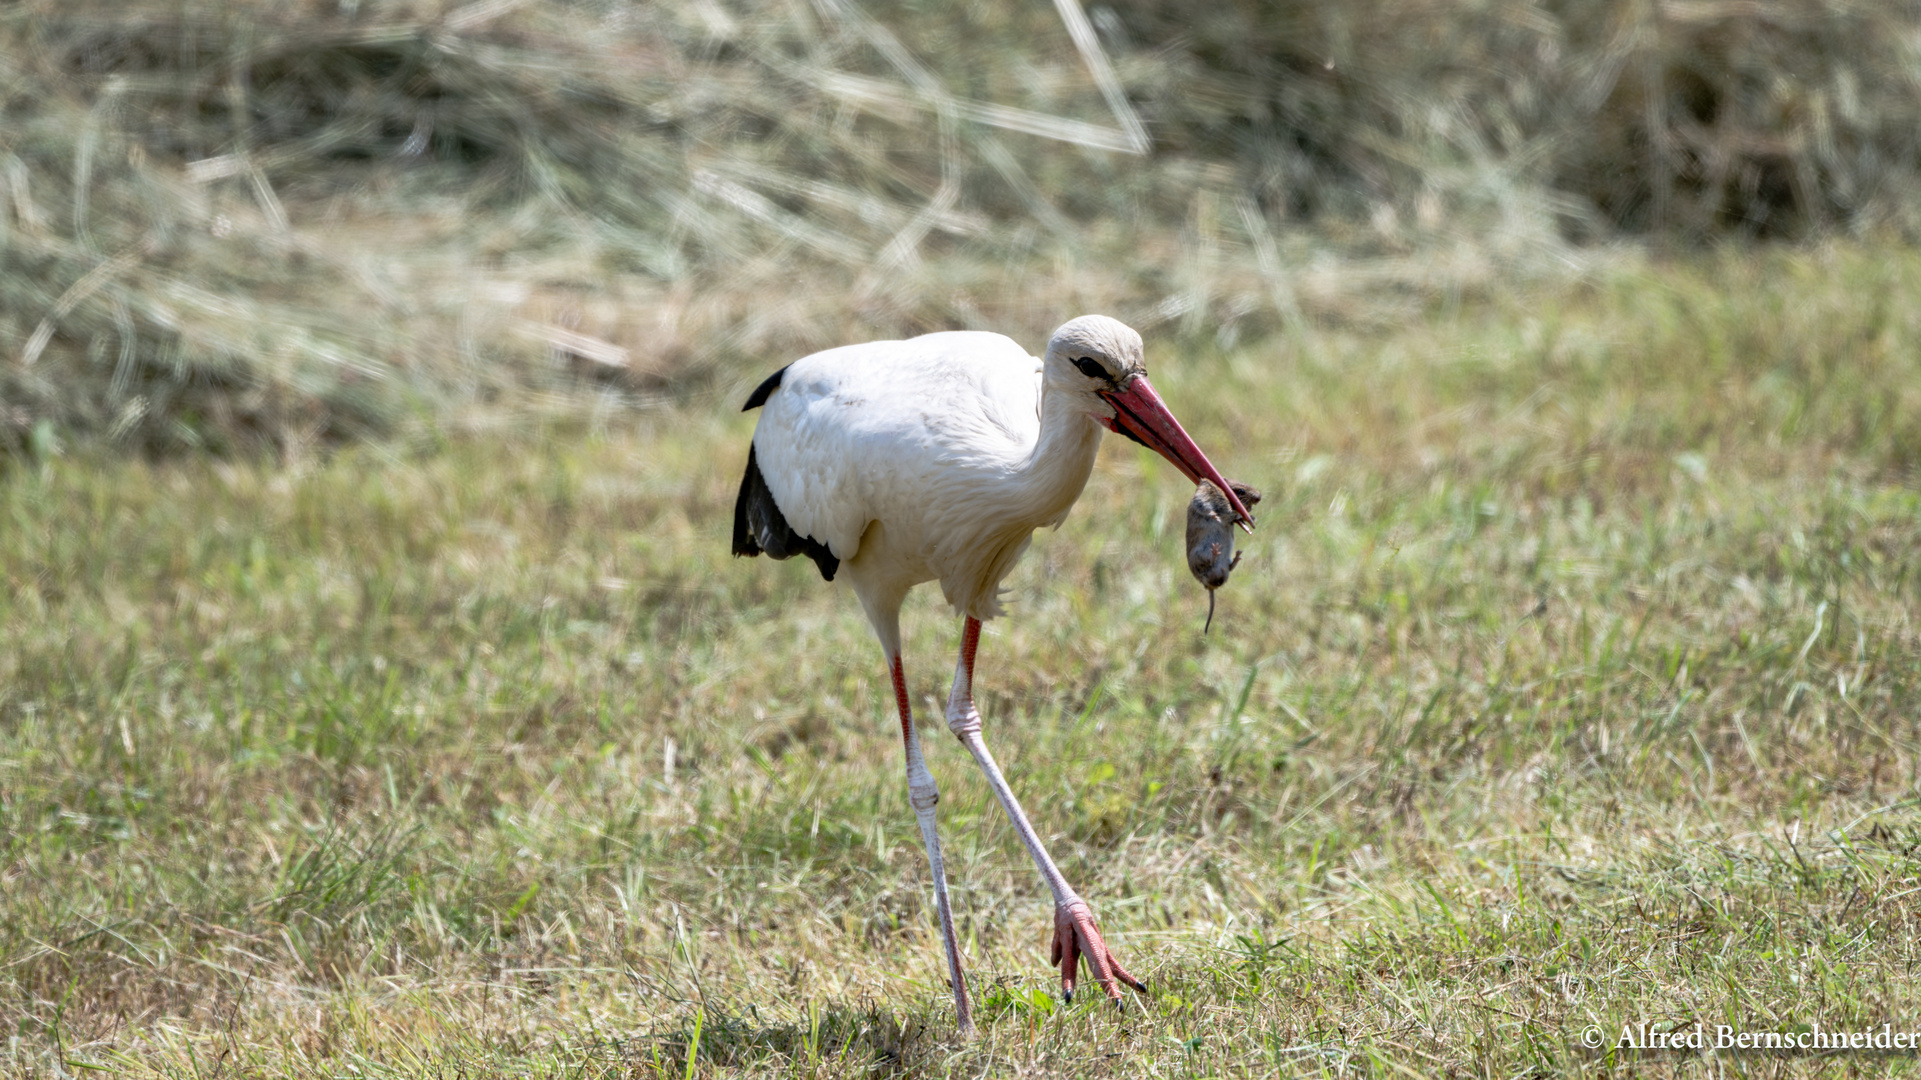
1141 415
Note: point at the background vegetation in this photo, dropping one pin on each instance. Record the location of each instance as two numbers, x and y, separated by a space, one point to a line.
376 696
270 224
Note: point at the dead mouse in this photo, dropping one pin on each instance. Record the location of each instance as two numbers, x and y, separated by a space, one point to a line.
1210 536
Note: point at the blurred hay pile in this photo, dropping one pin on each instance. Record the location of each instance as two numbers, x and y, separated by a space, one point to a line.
264 224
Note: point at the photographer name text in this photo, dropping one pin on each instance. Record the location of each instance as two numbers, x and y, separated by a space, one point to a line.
1701 1037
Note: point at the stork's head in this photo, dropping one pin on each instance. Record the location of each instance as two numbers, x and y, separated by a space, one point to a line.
1096 362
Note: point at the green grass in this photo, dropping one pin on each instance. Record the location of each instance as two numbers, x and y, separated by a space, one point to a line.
1571 679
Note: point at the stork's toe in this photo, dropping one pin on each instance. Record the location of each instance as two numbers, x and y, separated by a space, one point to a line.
1077 938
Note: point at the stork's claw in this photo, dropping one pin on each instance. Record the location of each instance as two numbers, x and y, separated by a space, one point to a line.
1076 938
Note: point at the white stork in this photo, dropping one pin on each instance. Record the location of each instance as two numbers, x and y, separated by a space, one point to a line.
935 459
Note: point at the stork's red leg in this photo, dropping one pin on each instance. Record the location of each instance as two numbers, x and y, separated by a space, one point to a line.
1076 936
922 795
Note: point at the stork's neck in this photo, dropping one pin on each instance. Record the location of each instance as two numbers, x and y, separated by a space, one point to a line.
1062 458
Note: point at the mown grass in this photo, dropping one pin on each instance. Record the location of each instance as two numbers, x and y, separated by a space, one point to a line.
1571 679
256 226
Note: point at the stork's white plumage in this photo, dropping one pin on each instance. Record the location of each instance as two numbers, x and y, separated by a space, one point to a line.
935 459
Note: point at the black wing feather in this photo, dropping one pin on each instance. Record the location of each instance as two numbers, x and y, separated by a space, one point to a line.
760 528
759 397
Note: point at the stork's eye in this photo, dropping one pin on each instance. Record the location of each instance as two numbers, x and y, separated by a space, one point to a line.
1092 368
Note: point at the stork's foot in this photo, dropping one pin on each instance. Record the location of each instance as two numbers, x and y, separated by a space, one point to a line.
1076 937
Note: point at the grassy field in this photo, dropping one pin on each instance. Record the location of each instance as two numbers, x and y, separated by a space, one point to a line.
1572 679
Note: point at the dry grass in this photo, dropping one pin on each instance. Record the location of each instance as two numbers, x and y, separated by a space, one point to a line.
1571 679
275 225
